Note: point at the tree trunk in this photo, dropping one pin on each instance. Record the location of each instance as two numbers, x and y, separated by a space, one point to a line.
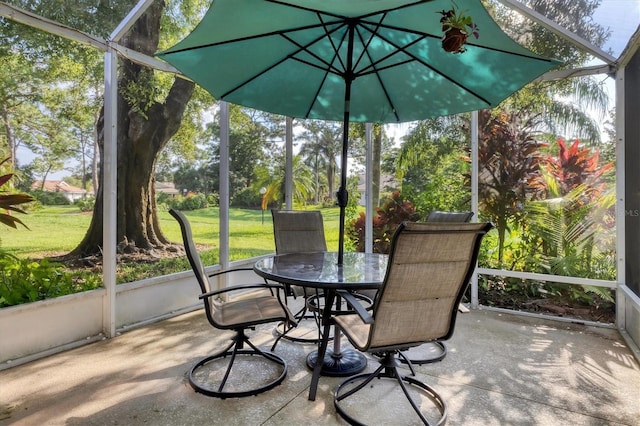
376 152
330 176
9 135
96 157
141 136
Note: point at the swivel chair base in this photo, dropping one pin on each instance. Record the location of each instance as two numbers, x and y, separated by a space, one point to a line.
388 369
237 351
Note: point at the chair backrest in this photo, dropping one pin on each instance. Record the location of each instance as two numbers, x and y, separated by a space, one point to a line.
430 265
192 252
298 231
459 217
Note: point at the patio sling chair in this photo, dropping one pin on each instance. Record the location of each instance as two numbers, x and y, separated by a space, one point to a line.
430 265
246 311
298 232
436 351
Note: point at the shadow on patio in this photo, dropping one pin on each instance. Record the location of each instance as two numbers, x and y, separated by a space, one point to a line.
501 369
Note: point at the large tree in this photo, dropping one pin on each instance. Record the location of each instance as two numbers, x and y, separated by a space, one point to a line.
252 141
145 126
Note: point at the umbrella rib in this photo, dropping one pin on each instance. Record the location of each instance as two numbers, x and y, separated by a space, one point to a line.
329 66
305 48
400 49
254 36
335 15
415 58
335 48
324 78
366 44
425 35
376 70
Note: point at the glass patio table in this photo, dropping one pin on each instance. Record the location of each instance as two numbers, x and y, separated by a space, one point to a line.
320 270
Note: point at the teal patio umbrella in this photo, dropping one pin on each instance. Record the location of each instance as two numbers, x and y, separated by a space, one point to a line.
377 61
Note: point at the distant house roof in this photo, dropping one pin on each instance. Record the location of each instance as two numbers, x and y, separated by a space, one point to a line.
167 188
387 182
57 186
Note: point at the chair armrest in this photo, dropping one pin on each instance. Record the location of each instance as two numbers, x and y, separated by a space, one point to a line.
356 306
227 271
240 287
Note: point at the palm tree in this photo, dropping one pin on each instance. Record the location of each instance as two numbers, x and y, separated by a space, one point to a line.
323 140
313 157
275 184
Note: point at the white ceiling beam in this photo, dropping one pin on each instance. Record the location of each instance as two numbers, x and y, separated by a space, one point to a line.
630 49
142 59
52 27
560 31
56 28
125 25
592 70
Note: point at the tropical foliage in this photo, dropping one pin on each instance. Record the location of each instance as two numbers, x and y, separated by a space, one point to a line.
509 157
392 212
432 166
9 201
24 280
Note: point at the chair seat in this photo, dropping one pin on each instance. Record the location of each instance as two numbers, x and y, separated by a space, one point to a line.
358 331
240 313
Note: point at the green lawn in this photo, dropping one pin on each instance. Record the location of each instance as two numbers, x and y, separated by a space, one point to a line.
56 230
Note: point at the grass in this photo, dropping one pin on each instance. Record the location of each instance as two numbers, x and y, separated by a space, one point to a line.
52 230
56 230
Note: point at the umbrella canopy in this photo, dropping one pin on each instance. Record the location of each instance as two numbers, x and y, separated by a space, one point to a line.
358 60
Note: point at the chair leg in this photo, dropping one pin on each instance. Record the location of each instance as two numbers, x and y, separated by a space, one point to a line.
283 334
303 314
238 342
389 369
407 361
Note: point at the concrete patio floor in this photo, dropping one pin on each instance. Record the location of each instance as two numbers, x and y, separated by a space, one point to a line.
501 369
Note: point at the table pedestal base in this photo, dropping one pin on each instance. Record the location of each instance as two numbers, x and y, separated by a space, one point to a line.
345 363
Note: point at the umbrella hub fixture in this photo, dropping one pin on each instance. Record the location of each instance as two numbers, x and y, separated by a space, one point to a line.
342 196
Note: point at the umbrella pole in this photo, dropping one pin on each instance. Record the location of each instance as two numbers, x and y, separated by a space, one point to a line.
343 194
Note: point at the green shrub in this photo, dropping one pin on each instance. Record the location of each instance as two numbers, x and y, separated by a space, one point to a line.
162 197
247 197
190 202
25 280
328 202
50 198
85 204
194 202
213 199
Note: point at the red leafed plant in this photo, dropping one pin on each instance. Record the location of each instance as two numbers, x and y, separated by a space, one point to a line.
575 166
386 220
9 201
